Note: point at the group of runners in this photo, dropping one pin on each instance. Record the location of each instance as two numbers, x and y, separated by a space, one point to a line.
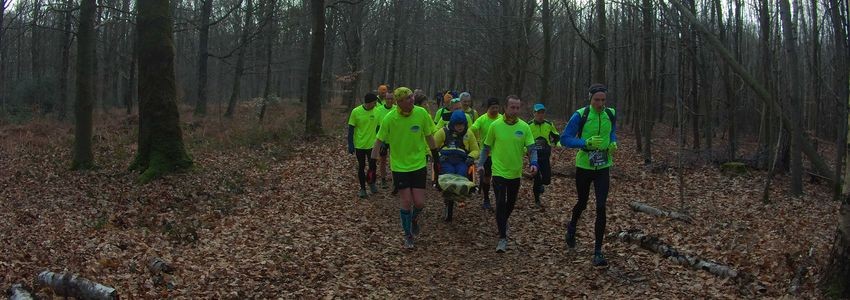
494 145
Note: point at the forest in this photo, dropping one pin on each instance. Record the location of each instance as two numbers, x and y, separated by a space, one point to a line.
197 148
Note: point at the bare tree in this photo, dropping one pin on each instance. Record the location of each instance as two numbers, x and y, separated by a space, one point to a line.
83 157
240 58
269 31
790 38
648 16
66 59
203 56
546 79
314 77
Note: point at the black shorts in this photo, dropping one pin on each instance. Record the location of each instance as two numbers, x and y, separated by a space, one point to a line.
384 149
410 180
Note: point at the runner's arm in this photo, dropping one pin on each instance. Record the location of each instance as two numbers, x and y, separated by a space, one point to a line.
532 155
350 138
482 158
568 138
430 140
376 149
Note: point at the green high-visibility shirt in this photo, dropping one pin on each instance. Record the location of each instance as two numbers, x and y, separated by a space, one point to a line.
508 144
365 124
407 136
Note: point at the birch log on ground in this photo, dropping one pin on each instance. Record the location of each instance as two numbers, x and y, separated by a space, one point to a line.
642 207
18 292
652 243
71 285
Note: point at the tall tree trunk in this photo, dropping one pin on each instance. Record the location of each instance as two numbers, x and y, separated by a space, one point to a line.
765 71
814 68
790 40
842 77
838 269
546 80
160 145
328 65
693 59
520 69
353 43
601 49
314 78
729 91
203 56
240 58
130 83
648 91
397 23
83 157
35 53
2 56
270 31
66 60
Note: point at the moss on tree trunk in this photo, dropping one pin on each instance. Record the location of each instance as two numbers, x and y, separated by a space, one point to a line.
161 148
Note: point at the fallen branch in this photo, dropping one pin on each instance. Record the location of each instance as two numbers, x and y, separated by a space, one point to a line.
18 292
652 243
71 285
802 269
157 265
637 206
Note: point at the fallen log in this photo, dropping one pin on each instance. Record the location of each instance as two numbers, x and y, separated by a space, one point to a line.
157 265
800 274
18 292
72 285
652 243
637 206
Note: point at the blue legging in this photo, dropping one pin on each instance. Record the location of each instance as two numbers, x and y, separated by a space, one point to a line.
449 167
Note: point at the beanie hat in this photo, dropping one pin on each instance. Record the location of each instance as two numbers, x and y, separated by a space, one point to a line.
370 98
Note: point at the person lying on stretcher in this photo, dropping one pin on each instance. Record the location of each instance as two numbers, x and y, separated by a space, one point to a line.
457 151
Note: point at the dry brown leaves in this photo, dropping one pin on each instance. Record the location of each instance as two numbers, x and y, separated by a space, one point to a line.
266 221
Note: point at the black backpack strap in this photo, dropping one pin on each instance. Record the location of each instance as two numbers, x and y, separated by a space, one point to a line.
611 116
582 120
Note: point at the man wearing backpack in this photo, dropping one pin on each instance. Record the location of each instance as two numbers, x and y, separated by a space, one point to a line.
545 136
591 129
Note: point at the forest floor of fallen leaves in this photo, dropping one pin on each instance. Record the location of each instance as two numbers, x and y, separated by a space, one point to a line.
266 213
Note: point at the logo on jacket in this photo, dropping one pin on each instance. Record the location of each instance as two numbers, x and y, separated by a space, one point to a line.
414 129
518 133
